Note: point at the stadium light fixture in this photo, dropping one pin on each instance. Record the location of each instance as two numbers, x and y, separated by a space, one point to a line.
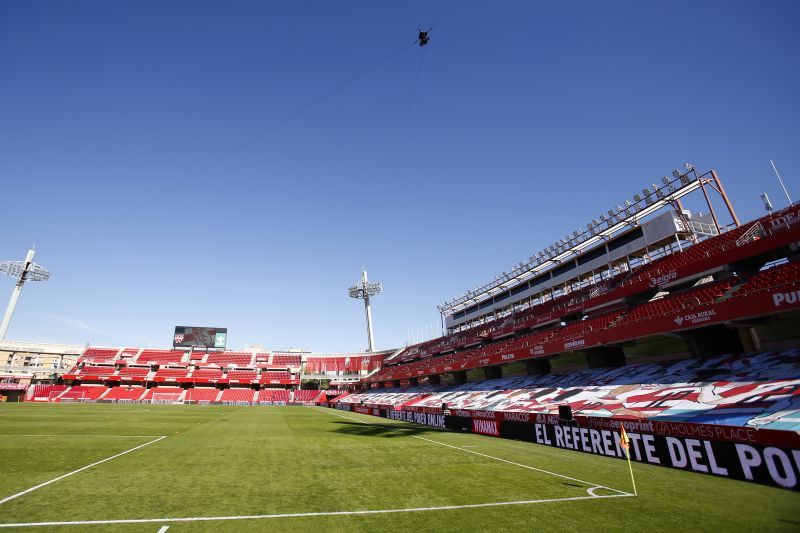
363 290
24 271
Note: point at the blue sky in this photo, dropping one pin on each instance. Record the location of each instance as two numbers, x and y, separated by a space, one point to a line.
164 158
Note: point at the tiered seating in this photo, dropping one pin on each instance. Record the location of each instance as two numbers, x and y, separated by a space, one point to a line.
164 392
207 373
242 375
230 358
47 392
128 354
83 392
710 254
170 374
135 373
285 360
275 375
305 395
773 278
125 393
614 325
701 251
759 390
98 355
202 394
237 395
97 370
387 397
671 304
160 357
273 395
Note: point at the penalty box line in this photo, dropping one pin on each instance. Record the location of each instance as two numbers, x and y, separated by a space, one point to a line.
310 514
59 478
528 467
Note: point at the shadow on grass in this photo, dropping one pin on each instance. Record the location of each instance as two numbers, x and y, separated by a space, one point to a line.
372 430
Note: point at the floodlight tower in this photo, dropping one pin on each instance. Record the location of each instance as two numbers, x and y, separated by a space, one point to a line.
363 290
24 271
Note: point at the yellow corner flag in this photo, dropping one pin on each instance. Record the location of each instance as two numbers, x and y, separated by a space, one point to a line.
625 443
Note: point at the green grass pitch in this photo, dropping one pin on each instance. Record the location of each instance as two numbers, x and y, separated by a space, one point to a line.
259 461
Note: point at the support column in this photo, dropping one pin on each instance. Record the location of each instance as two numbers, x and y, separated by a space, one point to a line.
713 341
749 339
605 356
537 367
493 372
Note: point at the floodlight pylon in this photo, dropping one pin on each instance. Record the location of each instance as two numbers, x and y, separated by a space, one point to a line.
24 271
362 291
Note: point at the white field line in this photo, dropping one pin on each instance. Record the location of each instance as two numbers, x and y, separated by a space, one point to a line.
117 409
78 435
163 529
301 515
59 478
399 430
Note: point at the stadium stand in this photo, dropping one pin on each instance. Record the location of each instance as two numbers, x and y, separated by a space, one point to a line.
615 326
238 395
160 357
83 392
47 392
285 360
170 374
273 395
98 355
275 375
206 374
305 395
125 393
230 358
242 375
167 393
97 370
134 373
202 394
757 390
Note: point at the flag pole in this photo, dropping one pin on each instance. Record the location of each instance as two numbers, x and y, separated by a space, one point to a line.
625 442
631 469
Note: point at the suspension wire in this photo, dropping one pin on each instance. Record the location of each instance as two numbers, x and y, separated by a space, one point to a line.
301 110
408 112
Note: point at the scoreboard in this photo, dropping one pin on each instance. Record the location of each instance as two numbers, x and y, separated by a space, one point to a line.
189 336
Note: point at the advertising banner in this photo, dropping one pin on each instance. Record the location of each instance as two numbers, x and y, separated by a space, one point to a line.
768 457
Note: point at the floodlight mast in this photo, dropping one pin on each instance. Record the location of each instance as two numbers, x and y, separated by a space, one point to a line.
24 271
362 291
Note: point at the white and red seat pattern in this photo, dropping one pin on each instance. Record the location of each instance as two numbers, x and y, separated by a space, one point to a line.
757 390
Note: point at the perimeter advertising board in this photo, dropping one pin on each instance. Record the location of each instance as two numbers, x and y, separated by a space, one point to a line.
768 457
190 336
